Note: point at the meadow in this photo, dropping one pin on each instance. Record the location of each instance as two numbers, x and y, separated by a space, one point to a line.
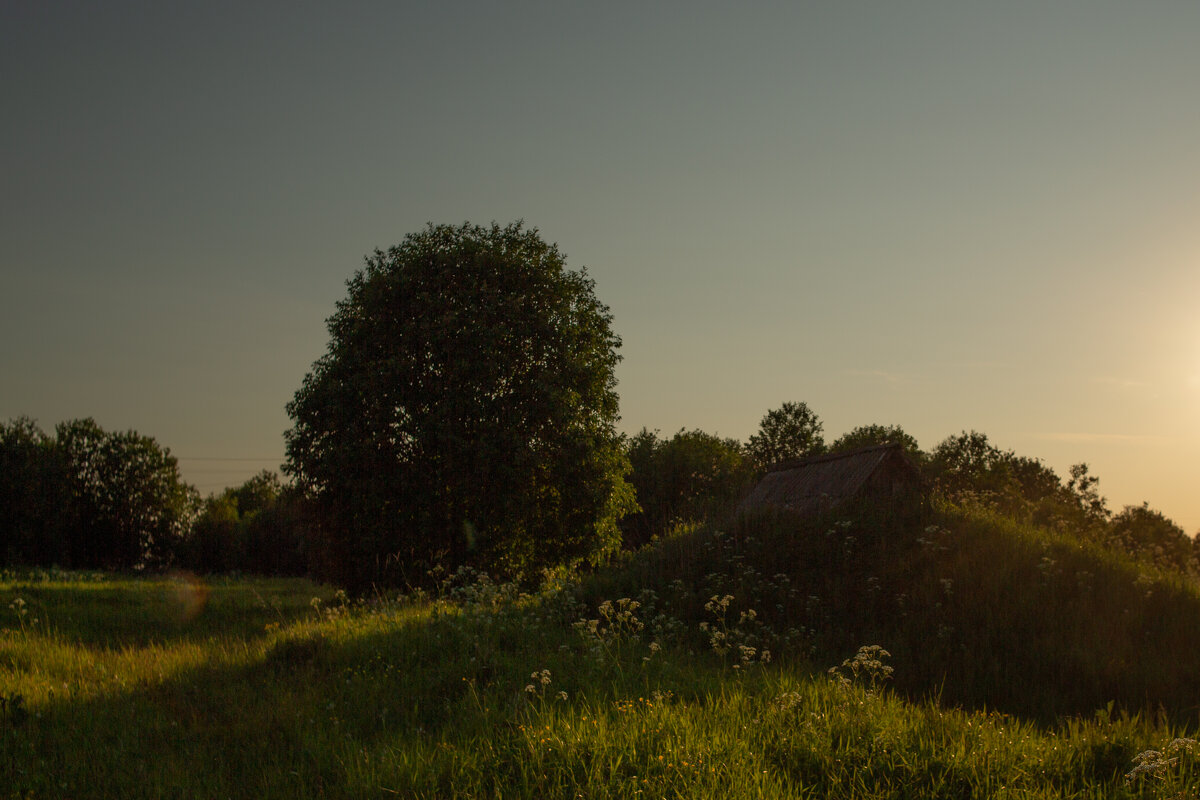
959 655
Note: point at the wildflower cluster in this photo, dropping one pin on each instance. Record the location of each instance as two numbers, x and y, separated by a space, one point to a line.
842 531
866 667
541 679
773 596
1157 764
616 623
787 701
474 590
741 639
934 539
19 607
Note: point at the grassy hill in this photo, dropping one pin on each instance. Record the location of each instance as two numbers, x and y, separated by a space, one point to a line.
1025 665
974 608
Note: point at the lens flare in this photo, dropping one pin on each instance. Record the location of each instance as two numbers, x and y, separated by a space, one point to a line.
189 595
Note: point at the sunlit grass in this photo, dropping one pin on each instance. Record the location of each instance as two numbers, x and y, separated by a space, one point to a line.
620 688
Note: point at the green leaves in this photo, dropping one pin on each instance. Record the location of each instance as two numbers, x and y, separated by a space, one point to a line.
790 431
89 498
469 385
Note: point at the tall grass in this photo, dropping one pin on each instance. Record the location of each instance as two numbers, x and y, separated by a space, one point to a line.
651 680
977 610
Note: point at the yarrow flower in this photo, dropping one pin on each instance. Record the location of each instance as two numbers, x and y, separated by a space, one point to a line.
1154 763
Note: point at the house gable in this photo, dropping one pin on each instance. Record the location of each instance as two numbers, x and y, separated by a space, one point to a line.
822 483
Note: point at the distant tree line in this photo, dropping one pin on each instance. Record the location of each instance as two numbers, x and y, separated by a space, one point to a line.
696 476
86 498
260 527
465 414
967 468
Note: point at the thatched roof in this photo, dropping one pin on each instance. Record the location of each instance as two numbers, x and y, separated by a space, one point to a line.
821 483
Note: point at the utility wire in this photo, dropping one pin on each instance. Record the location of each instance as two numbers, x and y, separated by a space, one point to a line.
224 458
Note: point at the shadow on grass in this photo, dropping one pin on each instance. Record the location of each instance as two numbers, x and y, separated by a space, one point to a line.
290 717
318 708
135 612
990 618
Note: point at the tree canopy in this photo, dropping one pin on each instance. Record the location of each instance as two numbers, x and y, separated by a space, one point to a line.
869 435
691 477
465 411
258 527
790 431
86 497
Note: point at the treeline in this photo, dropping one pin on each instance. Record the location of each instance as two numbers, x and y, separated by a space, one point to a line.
968 469
695 476
86 498
259 527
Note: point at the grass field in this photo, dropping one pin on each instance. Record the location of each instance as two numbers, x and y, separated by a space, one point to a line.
690 671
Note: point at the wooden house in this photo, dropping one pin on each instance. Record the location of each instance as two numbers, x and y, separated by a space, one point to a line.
880 477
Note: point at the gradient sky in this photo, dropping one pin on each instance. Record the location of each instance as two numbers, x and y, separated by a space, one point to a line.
940 215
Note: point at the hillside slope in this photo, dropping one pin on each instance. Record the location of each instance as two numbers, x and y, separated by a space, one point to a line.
974 608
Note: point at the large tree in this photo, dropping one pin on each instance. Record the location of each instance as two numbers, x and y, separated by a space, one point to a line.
465 411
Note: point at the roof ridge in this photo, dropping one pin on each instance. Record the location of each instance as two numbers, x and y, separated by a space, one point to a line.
795 463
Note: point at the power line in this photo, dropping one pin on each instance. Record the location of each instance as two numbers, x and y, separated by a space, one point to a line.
225 458
226 471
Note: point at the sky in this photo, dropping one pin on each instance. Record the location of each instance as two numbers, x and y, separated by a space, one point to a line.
946 216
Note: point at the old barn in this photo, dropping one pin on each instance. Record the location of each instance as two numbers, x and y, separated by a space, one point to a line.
882 477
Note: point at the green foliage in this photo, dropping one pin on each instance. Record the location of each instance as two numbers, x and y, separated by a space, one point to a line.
258 528
692 477
258 493
790 431
487 692
89 498
871 435
970 463
968 468
33 495
973 606
131 506
1149 536
1084 495
465 411
215 542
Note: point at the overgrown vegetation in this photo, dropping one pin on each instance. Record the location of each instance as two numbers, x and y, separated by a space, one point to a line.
690 671
692 477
